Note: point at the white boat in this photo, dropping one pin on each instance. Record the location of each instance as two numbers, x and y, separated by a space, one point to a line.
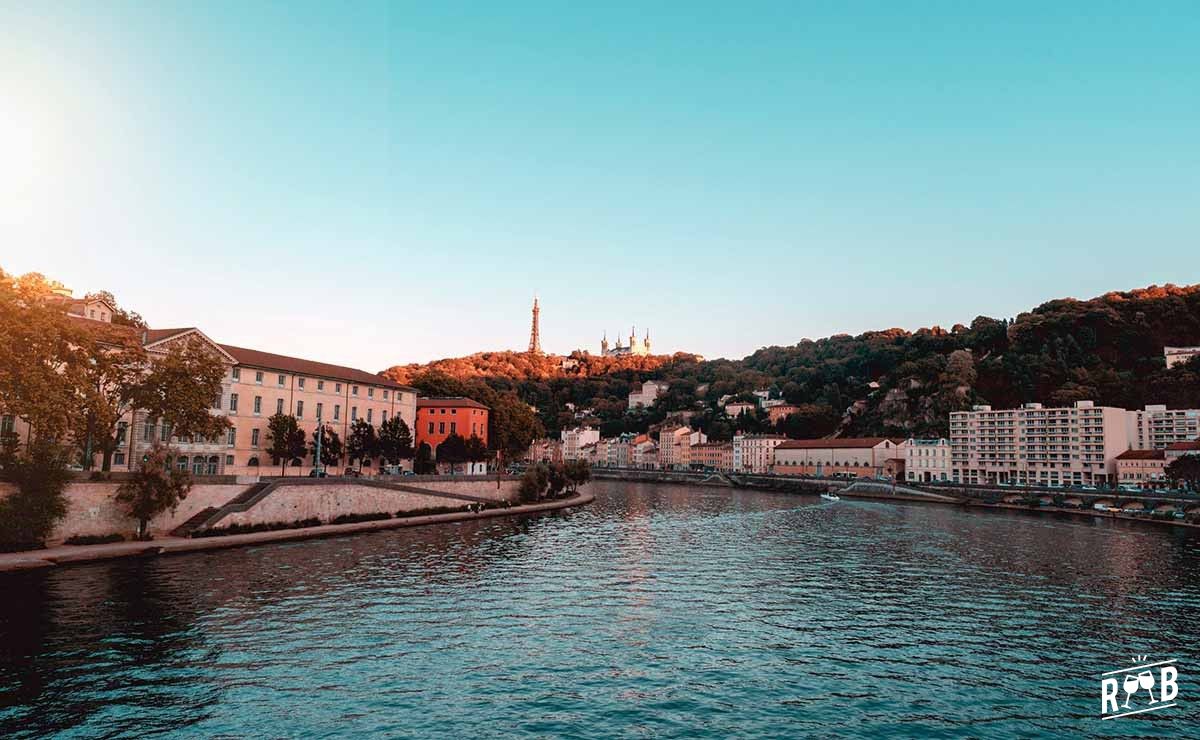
831 497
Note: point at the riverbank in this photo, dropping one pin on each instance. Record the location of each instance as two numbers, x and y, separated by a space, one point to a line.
72 554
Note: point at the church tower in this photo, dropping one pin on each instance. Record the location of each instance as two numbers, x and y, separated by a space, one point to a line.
535 341
604 344
646 341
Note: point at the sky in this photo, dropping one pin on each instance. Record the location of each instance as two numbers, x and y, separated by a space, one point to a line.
379 183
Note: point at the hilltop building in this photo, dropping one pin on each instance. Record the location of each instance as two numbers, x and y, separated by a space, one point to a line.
1179 355
634 348
645 395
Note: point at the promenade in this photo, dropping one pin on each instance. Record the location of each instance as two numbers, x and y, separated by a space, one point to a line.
72 554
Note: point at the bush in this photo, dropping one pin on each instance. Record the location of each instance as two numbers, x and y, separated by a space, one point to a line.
250 528
431 511
355 518
28 516
94 539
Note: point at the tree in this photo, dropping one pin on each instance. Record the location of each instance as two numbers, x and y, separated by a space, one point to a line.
576 472
533 483
286 440
452 450
113 385
43 357
120 316
1185 469
423 463
395 440
28 516
476 450
183 388
361 445
331 446
156 486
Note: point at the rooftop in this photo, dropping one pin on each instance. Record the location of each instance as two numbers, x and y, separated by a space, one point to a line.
1176 446
1142 455
298 366
836 444
449 402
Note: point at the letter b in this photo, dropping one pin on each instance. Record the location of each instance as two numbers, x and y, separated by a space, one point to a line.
1168 683
1108 693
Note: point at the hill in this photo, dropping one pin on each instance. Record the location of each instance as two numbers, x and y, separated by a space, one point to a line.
895 382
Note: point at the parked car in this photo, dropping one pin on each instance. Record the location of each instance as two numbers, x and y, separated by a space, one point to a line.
314 473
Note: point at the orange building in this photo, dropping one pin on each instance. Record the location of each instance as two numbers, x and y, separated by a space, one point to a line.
438 418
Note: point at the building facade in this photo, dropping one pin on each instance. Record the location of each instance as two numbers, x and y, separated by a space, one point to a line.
861 457
1179 355
1156 427
1142 468
1034 445
674 447
439 417
781 411
634 348
644 453
712 456
647 393
927 460
755 453
573 441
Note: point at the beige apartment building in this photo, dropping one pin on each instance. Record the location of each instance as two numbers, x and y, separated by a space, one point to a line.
755 453
1156 427
862 457
1037 445
927 460
674 447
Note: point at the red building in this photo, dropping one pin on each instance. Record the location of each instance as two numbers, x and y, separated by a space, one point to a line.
438 418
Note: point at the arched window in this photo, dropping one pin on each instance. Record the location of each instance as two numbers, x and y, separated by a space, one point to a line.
198 465
213 463
252 462
181 462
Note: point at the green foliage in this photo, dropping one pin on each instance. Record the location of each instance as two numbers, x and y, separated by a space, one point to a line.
395 440
28 516
452 450
1185 470
94 539
181 387
285 441
534 482
362 444
331 446
156 486
423 463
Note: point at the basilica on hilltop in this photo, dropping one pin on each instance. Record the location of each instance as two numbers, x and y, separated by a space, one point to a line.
635 347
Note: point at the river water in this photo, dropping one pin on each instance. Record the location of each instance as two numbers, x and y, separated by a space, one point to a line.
656 611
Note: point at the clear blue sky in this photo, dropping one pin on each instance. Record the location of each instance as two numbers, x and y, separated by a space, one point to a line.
379 183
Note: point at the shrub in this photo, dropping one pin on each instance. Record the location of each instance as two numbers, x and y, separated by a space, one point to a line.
94 539
249 528
355 518
28 516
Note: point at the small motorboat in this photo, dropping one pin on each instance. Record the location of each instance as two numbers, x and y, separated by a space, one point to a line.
831 497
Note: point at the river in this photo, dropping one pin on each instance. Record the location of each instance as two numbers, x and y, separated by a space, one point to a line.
656 611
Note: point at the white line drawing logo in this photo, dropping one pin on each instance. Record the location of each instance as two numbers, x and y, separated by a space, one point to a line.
1133 681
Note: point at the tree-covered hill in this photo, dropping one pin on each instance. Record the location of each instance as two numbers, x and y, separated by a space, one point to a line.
895 382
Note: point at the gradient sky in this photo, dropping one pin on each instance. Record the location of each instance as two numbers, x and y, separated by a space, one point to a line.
375 183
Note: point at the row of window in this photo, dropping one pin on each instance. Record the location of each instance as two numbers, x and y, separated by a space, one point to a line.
281 381
337 409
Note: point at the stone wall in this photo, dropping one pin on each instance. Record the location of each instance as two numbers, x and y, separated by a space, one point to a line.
93 510
331 500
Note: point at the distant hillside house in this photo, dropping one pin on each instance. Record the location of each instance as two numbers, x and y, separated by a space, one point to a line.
1179 355
645 394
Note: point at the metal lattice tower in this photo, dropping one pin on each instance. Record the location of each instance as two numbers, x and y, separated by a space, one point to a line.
535 341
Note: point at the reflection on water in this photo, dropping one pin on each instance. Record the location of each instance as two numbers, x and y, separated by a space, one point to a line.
658 610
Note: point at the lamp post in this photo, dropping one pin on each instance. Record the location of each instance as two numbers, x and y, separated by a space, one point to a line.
320 438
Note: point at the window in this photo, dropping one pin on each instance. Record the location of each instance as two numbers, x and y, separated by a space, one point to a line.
337 411
229 459
453 427
233 402
236 373
354 390
258 404
441 427
370 393
182 462
337 387
281 379
147 430
385 394
383 417
254 437
118 458
231 439
6 424
320 385
166 433
369 415
320 406
300 382
279 405
122 428
258 377
299 409
353 413
431 427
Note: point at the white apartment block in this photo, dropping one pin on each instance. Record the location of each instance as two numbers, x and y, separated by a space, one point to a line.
647 393
674 447
573 441
755 453
1156 427
927 460
1033 444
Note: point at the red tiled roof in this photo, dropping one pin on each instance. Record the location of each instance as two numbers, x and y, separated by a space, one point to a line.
834 444
1176 446
450 402
1142 455
157 335
269 361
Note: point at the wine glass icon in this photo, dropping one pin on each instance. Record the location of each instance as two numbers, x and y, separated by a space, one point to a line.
1146 681
1131 687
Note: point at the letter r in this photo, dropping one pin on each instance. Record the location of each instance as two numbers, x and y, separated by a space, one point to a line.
1108 693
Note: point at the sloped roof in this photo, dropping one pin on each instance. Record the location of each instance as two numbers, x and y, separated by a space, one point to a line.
1142 455
449 402
1188 446
298 366
856 443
